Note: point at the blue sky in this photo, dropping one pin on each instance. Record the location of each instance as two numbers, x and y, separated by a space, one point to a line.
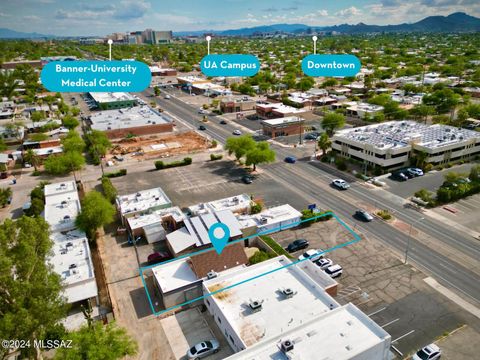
100 17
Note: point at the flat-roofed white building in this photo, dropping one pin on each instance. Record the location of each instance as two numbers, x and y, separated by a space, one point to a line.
239 204
73 261
71 257
274 299
270 220
62 205
112 100
363 109
137 120
142 202
391 144
345 333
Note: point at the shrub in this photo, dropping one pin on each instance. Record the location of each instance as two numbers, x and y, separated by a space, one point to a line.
214 143
275 246
162 165
377 171
108 189
260 256
428 167
424 194
384 214
341 164
121 172
255 208
214 157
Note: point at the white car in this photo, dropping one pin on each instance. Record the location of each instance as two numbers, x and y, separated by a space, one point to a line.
429 352
341 184
311 254
202 111
323 263
203 349
334 271
167 97
237 132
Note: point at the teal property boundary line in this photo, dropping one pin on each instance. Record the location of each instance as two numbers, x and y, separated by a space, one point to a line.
341 222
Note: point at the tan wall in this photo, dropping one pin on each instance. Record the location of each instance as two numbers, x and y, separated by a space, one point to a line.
139 131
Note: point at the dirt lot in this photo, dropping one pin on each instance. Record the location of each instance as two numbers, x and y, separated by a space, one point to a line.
155 146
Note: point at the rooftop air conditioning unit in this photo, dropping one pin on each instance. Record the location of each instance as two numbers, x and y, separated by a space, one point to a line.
255 305
263 220
211 275
288 292
286 345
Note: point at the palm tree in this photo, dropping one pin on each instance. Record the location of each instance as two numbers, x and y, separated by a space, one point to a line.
420 158
324 143
32 158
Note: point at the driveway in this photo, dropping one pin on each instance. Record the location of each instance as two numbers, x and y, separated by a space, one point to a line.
187 328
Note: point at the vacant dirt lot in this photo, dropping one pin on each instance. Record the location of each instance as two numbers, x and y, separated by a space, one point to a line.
154 146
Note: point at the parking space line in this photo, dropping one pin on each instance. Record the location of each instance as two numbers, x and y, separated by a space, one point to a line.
377 311
396 350
389 323
404 335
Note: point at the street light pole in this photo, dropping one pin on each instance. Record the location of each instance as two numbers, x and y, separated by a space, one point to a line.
409 236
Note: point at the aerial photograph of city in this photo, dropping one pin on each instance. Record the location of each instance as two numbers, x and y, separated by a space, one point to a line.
240 180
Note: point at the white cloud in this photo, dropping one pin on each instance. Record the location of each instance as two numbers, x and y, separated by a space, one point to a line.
31 18
349 12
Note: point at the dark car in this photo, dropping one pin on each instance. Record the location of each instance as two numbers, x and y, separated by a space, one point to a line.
363 215
290 159
298 244
399 176
158 257
223 122
247 179
201 127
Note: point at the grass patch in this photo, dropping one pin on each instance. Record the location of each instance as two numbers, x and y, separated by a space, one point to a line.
275 246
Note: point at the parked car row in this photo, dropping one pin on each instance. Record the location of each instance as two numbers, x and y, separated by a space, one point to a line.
316 256
405 174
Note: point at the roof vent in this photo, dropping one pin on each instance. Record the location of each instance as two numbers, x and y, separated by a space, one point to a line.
211 275
255 305
286 345
288 292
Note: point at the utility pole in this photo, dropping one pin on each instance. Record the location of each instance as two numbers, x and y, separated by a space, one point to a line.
409 236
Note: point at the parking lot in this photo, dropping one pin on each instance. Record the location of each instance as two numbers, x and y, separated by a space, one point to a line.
430 181
382 286
208 181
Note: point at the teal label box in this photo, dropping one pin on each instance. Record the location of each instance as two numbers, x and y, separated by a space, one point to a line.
229 65
331 65
96 76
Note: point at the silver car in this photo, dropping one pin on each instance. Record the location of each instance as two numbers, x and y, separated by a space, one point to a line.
203 349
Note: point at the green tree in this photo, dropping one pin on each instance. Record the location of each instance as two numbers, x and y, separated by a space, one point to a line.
98 142
260 154
332 121
32 158
8 84
5 194
98 342
324 143
66 163
156 91
30 289
73 142
3 146
70 122
475 173
75 111
37 116
96 212
305 83
239 145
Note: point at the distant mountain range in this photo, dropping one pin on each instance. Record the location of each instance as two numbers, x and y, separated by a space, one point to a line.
12 34
456 22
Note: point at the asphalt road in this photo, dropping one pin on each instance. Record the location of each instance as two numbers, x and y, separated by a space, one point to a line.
311 182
